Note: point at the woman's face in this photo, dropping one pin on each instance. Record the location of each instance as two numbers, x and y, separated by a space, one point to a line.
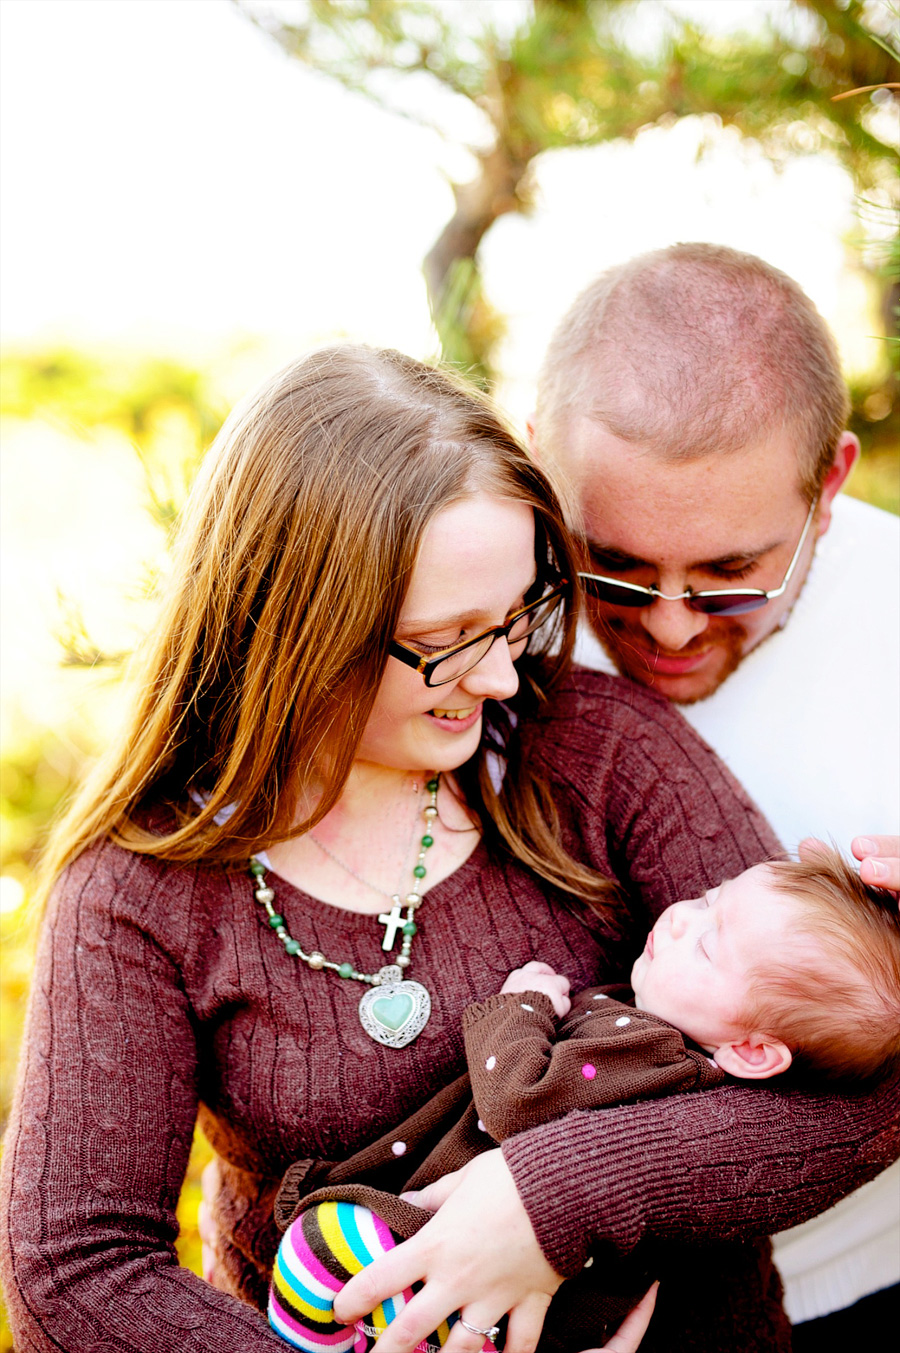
475 564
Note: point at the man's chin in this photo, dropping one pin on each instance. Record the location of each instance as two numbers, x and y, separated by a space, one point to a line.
682 688
686 690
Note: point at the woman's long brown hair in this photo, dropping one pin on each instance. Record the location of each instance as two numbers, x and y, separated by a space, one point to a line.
292 562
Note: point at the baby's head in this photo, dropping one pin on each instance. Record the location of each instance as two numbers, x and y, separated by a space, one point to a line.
788 962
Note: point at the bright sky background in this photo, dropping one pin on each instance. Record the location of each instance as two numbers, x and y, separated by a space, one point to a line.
172 182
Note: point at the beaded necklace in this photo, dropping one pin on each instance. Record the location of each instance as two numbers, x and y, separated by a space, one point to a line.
394 1010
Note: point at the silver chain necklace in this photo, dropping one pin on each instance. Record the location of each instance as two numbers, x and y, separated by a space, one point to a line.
395 1010
367 883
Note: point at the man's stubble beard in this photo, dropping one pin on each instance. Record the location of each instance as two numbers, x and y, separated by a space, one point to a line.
631 662
612 636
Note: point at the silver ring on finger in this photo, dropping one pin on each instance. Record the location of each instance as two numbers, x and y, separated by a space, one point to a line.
490 1333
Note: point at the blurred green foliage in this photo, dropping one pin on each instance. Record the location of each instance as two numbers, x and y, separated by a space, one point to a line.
168 411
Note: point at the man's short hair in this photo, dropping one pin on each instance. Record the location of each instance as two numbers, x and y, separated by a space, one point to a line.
696 350
834 997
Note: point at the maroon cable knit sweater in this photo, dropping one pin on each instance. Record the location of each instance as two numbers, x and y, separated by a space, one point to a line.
159 988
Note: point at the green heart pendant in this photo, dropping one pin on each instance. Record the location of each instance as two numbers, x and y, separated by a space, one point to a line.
396 1011
393 1011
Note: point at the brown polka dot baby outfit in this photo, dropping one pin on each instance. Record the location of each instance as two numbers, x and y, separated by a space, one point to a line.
525 1068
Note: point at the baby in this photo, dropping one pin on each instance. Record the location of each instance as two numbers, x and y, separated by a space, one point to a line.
789 964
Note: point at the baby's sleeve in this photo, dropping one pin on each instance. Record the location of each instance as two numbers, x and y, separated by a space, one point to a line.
526 1071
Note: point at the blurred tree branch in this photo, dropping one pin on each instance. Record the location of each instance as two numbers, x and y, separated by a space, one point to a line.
573 74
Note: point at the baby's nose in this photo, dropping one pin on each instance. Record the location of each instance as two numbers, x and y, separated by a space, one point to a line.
680 918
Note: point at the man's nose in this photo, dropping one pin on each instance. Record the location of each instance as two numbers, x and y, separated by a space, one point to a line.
672 624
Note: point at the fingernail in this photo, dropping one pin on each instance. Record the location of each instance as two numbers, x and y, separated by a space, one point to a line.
878 868
409 1197
866 844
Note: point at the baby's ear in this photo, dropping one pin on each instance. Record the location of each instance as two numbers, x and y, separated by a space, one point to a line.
757 1058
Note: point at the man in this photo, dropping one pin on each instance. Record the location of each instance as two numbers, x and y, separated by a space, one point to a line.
694 401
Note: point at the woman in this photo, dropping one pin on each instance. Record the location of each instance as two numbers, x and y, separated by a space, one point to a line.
357 788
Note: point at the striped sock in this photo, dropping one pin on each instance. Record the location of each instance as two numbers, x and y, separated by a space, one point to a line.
319 1252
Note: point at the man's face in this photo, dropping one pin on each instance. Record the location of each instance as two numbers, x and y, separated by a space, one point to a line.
721 521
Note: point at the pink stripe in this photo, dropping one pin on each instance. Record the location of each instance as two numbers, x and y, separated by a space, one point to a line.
310 1334
388 1242
301 1248
383 1232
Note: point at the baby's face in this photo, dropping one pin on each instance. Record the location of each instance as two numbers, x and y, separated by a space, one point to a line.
696 965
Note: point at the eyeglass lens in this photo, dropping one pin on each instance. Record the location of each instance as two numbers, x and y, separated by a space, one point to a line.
457 664
733 605
724 603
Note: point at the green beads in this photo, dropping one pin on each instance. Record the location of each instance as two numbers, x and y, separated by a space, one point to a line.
315 960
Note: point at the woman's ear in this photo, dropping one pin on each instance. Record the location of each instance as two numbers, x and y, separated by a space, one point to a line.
757 1058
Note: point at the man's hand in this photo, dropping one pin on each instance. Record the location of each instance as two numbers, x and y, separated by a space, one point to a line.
880 856
478 1255
535 976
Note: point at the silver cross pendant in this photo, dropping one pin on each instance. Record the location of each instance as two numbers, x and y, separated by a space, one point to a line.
392 921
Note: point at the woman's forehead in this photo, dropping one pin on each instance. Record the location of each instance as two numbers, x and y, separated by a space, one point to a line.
475 553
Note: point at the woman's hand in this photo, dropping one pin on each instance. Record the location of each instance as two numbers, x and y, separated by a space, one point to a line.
633 1328
478 1255
209 1186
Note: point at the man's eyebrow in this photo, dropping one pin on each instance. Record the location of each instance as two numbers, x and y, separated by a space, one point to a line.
741 557
611 553
738 557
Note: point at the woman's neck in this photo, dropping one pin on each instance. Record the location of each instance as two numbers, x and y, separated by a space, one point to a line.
364 848
370 788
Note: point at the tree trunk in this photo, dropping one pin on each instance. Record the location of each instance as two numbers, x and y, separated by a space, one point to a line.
467 325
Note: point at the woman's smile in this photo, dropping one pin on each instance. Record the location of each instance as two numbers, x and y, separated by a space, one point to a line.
457 719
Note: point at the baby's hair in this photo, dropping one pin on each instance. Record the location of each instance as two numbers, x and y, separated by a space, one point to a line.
835 1001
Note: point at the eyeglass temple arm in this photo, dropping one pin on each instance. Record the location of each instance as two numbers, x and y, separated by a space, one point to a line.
776 591
799 550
